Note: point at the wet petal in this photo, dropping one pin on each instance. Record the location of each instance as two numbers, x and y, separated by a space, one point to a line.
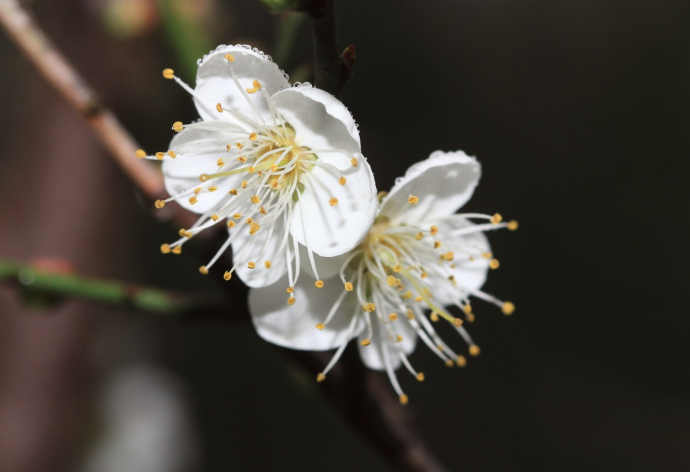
372 355
214 83
443 183
294 326
332 230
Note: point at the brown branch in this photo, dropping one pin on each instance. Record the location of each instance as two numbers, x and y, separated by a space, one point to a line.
363 397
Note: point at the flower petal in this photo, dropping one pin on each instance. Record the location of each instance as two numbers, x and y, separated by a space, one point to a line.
294 326
332 230
443 183
260 276
182 173
327 267
372 355
321 122
214 83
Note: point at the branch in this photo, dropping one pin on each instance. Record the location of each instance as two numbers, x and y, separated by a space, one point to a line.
331 71
59 73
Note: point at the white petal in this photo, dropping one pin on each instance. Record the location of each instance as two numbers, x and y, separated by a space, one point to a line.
214 82
372 355
182 173
334 230
327 267
443 183
294 326
260 276
321 122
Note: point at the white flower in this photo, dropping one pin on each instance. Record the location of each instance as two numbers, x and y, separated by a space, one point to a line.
418 256
282 165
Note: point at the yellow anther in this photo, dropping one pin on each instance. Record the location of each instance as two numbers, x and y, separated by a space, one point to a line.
420 377
474 350
433 316
262 210
452 279
513 225
399 338
424 275
242 159
197 191
342 180
391 281
239 145
212 188
470 318
348 286
494 264
449 363
249 220
244 184
274 168
253 136
251 169
461 361
140 154
410 315
177 126
434 230
227 147
227 275
403 399
320 326
457 322
251 265
320 377
220 162
230 58
172 154
437 244
449 256
290 289
254 227
231 223
496 219
255 199
407 295
393 316
203 270
215 217
237 216
365 342
319 284
251 90
177 250
413 200
418 299
233 191
187 234
487 255
219 107
203 177
256 84
333 201
381 195
274 183
419 236
353 161
160 203
267 264
165 248
397 268
508 308
291 301
467 309
192 200
160 155
168 73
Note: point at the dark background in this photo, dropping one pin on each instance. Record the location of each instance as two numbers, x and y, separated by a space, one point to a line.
578 112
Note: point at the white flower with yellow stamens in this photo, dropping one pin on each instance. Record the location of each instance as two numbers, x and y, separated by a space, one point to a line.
281 165
418 256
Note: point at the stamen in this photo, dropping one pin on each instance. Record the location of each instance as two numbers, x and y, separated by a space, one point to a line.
413 200
140 154
353 161
160 203
513 225
333 201
474 350
172 154
342 181
203 270
348 287
319 284
160 155
177 126
165 248
365 342
227 275
168 73
508 308
494 264
496 219
251 265
231 223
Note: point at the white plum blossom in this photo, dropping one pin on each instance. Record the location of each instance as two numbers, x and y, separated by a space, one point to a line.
281 166
419 256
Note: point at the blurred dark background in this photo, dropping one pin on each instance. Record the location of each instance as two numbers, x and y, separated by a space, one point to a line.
578 111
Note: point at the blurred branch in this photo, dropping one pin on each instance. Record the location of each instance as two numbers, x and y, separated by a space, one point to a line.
52 286
289 25
331 71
